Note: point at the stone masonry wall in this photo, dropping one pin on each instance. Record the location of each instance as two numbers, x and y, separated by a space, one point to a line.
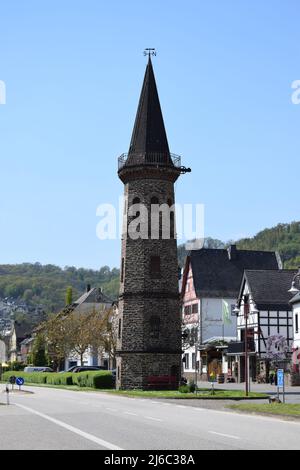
142 296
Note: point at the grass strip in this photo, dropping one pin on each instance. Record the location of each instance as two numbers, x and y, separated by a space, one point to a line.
279 409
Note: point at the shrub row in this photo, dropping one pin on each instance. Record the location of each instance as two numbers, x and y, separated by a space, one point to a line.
93 379
188 388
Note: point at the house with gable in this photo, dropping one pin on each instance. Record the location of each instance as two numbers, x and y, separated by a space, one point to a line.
210 285
93 299
264 300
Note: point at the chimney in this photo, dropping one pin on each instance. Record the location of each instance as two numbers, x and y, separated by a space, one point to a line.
88 287
232 252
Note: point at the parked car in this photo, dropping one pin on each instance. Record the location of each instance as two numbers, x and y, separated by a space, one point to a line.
71 369
38 369
86 368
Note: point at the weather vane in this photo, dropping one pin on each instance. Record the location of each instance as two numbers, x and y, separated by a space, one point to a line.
149 51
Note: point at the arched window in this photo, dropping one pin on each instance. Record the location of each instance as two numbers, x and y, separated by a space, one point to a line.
136 200
122 269
154 327
120 328
172 218
134 214
172 225
154 219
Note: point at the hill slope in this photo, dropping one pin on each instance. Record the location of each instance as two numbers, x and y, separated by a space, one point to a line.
47 285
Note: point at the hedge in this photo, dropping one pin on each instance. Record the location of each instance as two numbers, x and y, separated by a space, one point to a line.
29 377
94 379
59 379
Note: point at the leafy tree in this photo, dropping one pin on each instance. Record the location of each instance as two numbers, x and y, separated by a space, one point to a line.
69 295
39 356
57 336
86 331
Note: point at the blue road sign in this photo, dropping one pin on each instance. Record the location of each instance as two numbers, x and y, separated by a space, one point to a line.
19 381
280 378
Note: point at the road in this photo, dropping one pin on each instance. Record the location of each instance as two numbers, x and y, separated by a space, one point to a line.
62 419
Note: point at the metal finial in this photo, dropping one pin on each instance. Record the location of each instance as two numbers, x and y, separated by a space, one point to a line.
150 51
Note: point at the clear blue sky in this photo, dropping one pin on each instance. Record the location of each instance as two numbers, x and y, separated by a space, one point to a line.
73 72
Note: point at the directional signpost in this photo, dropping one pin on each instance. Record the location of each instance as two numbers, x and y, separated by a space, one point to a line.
280 383
20 382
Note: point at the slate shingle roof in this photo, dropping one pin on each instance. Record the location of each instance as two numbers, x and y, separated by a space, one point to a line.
269 289
218 273
149 138
93 296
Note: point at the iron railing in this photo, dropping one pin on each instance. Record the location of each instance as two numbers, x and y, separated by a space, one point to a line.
149 159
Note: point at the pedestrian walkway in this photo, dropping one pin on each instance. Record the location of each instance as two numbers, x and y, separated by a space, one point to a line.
292 393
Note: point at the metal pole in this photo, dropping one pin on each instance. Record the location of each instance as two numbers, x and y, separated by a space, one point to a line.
249 375
196 378
246 345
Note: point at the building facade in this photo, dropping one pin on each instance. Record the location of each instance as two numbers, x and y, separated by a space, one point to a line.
295 303
93 299
149 332
264 300
210 287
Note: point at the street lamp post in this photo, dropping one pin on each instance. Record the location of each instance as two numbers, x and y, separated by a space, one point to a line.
246 313
294 289
246 305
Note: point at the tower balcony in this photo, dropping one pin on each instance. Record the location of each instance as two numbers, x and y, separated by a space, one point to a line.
148 159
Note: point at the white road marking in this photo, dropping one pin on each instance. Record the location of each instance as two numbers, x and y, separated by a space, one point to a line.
85 435
129 413
181 406
224 435
154 419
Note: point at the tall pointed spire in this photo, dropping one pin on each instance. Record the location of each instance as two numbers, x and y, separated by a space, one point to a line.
149 143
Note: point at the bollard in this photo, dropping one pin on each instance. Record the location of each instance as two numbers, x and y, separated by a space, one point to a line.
7 395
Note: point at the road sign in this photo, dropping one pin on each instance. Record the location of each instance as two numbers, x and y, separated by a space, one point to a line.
12 379
280 378
19 381
280 383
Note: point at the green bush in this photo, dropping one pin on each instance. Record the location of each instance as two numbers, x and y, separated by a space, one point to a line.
94 379
60 379
192 387
184 389
80 379
29 377
100 380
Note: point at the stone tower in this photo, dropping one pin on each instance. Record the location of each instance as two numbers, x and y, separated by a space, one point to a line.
149 324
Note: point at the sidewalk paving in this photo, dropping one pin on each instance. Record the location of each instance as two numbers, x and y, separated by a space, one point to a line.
292 394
